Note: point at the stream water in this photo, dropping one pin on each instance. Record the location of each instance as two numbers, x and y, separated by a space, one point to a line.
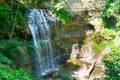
38 22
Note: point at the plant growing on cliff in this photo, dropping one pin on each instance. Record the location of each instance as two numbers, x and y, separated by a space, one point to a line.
111 14
112 62
62 14
112 21
9 72
10 16
62 75
102 39
11 47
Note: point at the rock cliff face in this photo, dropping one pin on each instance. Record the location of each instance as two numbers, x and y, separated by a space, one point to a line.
82 5
85 20
91 10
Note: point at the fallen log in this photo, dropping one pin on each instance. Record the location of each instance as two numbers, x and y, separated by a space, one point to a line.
90 69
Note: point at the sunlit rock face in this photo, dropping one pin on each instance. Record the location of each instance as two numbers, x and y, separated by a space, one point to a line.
84 57
85 19
90 10
66 35
81 5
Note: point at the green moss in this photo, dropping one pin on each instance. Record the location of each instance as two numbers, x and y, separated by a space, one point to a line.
86 40
102 39
97 47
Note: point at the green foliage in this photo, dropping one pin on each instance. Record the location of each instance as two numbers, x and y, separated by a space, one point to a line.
97 47
112 62
110 33
99 36
60 5
4 60
5 22
35 3
103 39
41 79
9 73
63 15
42 42
62 75
111 14
7 17
11 47
112 21
99 42
20 15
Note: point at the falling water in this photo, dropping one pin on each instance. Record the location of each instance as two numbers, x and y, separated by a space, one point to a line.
38 22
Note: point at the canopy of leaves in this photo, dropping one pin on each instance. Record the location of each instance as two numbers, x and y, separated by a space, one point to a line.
7 17
7 72
10 47
62 14
112 62
62 75
111 14
7 68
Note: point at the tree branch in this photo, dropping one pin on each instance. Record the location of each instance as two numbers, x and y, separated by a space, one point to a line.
90 69
14 22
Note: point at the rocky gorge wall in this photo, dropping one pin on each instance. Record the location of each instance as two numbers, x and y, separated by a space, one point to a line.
85 20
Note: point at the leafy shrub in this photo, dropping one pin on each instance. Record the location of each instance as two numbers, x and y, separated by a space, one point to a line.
5 60
111 13
103 39
111 20
10 47
20 15
97 47
7 17
63 15
7 67
5 22
62 75
110 33
99 42
112 62
7 73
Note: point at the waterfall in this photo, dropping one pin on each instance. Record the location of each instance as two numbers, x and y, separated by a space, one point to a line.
38 22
